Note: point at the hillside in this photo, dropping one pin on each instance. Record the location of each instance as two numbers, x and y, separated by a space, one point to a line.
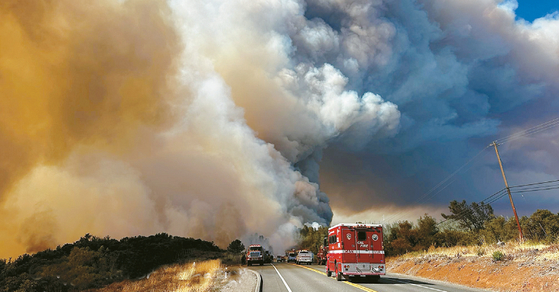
508 267
93 262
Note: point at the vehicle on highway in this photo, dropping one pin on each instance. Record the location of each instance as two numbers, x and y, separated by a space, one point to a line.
291 256
268 256
304 257
355 250
322 253
255 255
280 258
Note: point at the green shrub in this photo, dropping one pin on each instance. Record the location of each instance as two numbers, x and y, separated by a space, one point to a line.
498 255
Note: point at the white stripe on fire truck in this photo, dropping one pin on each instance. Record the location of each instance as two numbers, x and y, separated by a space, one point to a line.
357 251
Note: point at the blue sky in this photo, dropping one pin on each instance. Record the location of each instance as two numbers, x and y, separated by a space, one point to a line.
530 9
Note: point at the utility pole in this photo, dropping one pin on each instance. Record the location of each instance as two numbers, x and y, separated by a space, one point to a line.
508 191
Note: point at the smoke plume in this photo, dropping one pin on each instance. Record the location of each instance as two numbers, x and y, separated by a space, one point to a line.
462 73
134 117
224 119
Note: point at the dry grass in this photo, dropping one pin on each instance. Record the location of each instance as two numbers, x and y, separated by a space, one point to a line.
514 250
195 277
526 267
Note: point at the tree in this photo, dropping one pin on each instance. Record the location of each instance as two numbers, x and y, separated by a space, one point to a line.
236 246
311 238
495 230
402 238
542 225
427 229
472 217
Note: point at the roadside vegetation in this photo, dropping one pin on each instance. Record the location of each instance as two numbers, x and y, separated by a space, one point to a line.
196 276
474 247
526 266
94 262
469 225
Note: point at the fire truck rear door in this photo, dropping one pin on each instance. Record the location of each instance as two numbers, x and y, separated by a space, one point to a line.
362 244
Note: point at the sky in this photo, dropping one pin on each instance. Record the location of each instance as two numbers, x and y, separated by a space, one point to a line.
231 119
531 10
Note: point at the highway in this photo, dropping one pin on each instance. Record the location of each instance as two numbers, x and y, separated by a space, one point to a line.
289 277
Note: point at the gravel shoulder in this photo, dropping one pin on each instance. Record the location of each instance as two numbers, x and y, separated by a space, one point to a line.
245 281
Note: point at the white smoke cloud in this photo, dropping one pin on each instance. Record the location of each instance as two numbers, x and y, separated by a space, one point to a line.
244 111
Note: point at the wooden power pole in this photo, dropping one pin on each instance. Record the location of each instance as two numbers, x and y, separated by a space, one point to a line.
508 191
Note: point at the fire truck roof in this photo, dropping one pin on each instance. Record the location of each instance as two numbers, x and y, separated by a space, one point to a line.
354 225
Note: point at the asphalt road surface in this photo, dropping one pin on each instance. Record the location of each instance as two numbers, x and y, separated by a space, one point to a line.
289 277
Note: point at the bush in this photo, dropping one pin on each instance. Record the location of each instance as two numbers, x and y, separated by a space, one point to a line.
236 247
498 255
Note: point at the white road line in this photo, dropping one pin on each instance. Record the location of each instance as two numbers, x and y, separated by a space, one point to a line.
424 287
286 286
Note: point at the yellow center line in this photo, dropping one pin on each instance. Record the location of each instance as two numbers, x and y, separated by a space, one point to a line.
345 282
360 287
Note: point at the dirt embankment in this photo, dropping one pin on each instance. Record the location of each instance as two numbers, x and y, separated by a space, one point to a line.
521 268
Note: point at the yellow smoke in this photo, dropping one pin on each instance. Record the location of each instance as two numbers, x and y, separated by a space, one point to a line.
76 73
122 118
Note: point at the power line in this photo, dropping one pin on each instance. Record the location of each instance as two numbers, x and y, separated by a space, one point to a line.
495 197
536 190
536 129
538 183
536 187
442 185
540 186
487 201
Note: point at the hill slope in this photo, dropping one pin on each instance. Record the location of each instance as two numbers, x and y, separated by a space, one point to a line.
93 262
511 267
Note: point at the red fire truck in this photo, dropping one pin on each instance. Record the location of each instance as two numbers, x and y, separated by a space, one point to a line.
355 250
255 255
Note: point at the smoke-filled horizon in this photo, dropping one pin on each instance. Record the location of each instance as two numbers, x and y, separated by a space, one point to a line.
225 119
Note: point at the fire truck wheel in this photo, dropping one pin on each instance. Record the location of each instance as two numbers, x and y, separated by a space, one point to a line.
375 279
249 264
261 263
328 273
339 276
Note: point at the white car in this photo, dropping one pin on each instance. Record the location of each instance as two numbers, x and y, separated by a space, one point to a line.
304 256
